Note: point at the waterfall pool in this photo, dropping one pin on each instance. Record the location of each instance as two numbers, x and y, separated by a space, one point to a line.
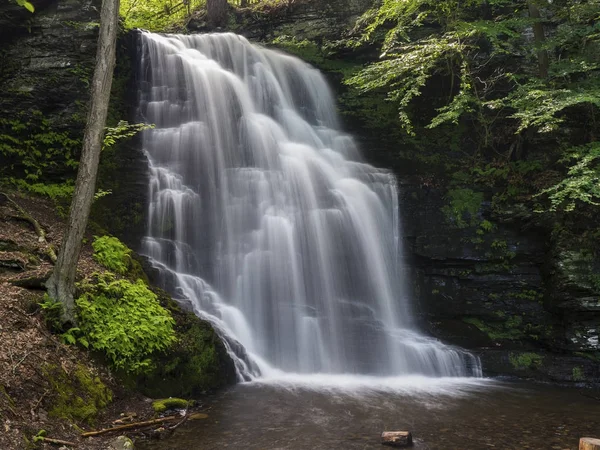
448 414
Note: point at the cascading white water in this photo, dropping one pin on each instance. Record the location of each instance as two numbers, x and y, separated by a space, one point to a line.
263 216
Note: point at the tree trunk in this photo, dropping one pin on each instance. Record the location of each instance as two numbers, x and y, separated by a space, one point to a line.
540 39
61 285
216 13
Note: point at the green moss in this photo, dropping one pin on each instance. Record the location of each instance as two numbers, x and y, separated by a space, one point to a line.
169 403
78 396
511 329
196 363
525 360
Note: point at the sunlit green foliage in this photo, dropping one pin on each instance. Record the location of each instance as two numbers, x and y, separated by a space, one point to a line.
125 321
582 183
112 253
123 130
484 53
157 15
25 4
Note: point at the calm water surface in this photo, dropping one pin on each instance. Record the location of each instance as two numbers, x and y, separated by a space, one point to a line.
343 413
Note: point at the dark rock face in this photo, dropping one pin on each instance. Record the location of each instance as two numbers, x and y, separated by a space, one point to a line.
499 283
124 168
312 19
196 364
46 63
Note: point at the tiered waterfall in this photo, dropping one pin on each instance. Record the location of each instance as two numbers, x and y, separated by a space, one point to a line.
264 217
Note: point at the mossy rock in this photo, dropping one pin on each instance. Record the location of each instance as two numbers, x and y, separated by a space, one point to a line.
198 362
165 404
78 396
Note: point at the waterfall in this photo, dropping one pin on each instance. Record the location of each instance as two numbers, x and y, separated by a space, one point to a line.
265 219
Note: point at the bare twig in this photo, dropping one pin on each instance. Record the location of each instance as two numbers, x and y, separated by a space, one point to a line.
40 400
185 418
20 361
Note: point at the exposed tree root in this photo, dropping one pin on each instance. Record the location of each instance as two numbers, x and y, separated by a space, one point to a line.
24 215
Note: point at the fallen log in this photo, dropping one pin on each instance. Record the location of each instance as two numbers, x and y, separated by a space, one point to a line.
130 426
587 443
396 438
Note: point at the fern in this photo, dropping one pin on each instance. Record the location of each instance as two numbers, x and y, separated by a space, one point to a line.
125 321
112 253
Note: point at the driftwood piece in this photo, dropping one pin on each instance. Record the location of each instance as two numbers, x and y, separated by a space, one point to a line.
130 426
396 438
127 418
587 443
57 441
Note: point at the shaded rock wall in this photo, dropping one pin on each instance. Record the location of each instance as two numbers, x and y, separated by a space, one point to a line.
500 282
46 61
305 19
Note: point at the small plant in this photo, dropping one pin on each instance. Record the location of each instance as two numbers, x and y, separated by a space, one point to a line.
74 336
578 374
463 207
40 436
52 311
27 5
123 130
125 321
112 253
525 360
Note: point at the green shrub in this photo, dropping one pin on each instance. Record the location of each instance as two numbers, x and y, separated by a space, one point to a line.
578 374
112 253
525 360
463 207
125 321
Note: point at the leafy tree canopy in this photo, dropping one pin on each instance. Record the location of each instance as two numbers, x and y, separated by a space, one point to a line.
509 67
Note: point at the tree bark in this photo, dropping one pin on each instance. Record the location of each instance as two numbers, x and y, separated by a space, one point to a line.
396 438
61 285
216 13
540 39
589 444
